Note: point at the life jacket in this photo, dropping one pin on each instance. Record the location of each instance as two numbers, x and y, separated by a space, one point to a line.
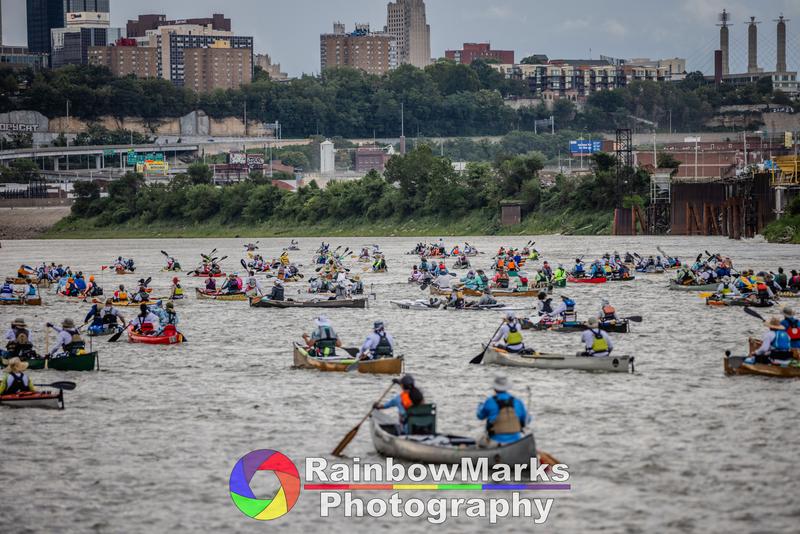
76 343
405 399
793 328
559 274
277 293
500 264
599 344
7 288
514 336
512 266
547 306
570 306
726 289
506 421
762 291
19 382
325 347
609 313
121 295
211 285
781 342
384 348
178 291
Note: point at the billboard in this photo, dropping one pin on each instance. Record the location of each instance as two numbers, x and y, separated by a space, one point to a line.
135 158
255 160
586 146
237 158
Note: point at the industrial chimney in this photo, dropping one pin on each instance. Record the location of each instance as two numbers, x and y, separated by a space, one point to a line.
752 45
724 18
781 66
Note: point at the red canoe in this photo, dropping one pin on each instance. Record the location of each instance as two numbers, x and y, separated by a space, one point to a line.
573 280
171 339
207 275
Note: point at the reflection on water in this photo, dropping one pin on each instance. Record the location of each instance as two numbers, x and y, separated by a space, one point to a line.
148 442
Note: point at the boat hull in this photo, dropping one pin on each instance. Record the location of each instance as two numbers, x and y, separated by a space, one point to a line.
259 302
573 280
734 365
34 399
619 327
21 302
383 366
701 287
155 340
495 292
81 362
202 295
611 364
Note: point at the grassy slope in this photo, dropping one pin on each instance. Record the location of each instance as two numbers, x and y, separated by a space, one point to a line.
474 224
785 230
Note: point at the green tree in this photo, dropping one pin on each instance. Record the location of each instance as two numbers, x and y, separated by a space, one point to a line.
200 173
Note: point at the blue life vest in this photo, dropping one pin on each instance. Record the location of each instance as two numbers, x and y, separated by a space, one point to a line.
570 305
781 342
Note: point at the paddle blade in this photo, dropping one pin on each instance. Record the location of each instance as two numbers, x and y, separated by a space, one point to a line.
66 385
165 254
750 311
635 318
115 337
478 359
346 441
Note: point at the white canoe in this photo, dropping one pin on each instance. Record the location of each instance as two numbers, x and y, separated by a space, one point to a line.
613 364
444 449
425 305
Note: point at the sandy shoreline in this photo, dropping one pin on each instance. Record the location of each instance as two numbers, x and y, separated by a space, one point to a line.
28 223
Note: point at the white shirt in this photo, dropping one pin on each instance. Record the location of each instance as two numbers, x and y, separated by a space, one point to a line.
588 340
12 336
151 318
503 333
443 281
64 338
371 343
766 343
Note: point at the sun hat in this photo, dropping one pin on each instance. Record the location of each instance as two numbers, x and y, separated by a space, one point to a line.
510 316
788 311
774 323
19 322
322 320
378 325
67 323
501 384
170 305
593 322
15 365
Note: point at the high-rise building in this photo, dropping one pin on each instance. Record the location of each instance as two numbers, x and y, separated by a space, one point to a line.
217 67
407 23
1 22
264 61
139 27
180 45
42 17
87 25
125 59
472 51
374 53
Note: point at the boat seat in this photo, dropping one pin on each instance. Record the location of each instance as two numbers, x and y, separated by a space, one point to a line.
421 419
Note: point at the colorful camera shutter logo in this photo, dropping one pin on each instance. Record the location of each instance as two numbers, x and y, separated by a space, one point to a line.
264 460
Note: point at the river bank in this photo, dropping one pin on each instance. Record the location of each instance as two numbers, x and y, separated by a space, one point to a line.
29 223
567 223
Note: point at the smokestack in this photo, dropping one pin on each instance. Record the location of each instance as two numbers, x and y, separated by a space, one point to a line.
752 45
717 67
781 65
724 18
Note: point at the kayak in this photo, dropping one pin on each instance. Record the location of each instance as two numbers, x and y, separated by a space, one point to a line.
573 280
34 399
651 269
195 274
202 294
734 365
105 330
80 362
495 292
612 364
262 302
674 286
425 305
173 339
21 301
339 364
617 279
132 304
789 294
737 301
447 449
122 270
620 327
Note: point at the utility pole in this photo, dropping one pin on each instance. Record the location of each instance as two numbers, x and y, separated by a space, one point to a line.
66 135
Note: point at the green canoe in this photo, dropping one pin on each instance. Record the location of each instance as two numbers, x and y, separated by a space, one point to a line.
82 362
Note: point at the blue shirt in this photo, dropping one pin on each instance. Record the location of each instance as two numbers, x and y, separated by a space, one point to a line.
80 283
489 410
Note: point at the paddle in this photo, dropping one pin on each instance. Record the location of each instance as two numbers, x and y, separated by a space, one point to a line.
115 337
65 385
350 435
750 311
244 265
165 254
634 318
479 358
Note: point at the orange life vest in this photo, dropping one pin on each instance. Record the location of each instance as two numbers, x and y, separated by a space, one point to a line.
405 399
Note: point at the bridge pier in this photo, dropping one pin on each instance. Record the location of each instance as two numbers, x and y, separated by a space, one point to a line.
98 162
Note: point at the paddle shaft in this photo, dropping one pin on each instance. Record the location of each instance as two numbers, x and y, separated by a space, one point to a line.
350 435
479 358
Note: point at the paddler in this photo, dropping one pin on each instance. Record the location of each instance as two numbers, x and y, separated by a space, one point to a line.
379 344
92 289
456 299
544 306
578 271
14 378
486 298
253 286
7 291
726 288
277 292
177 289
607 312
505 415
565 310
776 346
146 322
69 340
792 325
169 320
595 340
560 275
120 295
323 340
104 317
509 337
211 285
409 396
18 338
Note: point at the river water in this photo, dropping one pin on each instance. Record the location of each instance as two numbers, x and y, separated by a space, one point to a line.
148 442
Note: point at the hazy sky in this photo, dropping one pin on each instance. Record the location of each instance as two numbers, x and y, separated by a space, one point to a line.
289 31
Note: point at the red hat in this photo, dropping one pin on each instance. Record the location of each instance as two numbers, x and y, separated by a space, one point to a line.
174 280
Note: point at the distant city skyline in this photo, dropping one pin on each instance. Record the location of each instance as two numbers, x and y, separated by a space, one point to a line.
289 32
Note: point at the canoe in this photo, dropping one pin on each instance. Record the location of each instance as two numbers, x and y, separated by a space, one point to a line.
788 294
674 286
734 365
739 301
446 449
651 270
20 301
628 279
25 281
573 280
422 305
130 303
261 302
121 271
34 399
612 364
133 337
195 274
620 327
495 292
202 294
81 362
339 364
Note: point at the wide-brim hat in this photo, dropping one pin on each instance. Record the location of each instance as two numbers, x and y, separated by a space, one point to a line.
322 320
788 311
774 323
593 322
170 305
67 323
19 322
501 383
15 365
377 325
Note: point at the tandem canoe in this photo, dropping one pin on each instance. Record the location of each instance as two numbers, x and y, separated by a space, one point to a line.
612 364
734 365
495 292
172 339
738 301
339 364
261 302
80 362
34 399
674 286
598 280
425 305
21 301
25 281
621 326
202 294
446 449
195 274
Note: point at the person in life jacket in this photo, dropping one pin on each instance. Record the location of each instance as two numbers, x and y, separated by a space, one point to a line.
763 293
103 318
168 320
559 275
456 299
7 291
18 339
69 341
595 340
146 322
379 344
578 271
545 304
727 288
323 340
120 295
14 378
607 312
505 415
792 325
794 281
565 310
486 298
776 346
211 285
509 337
177 289
277 292
408 397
